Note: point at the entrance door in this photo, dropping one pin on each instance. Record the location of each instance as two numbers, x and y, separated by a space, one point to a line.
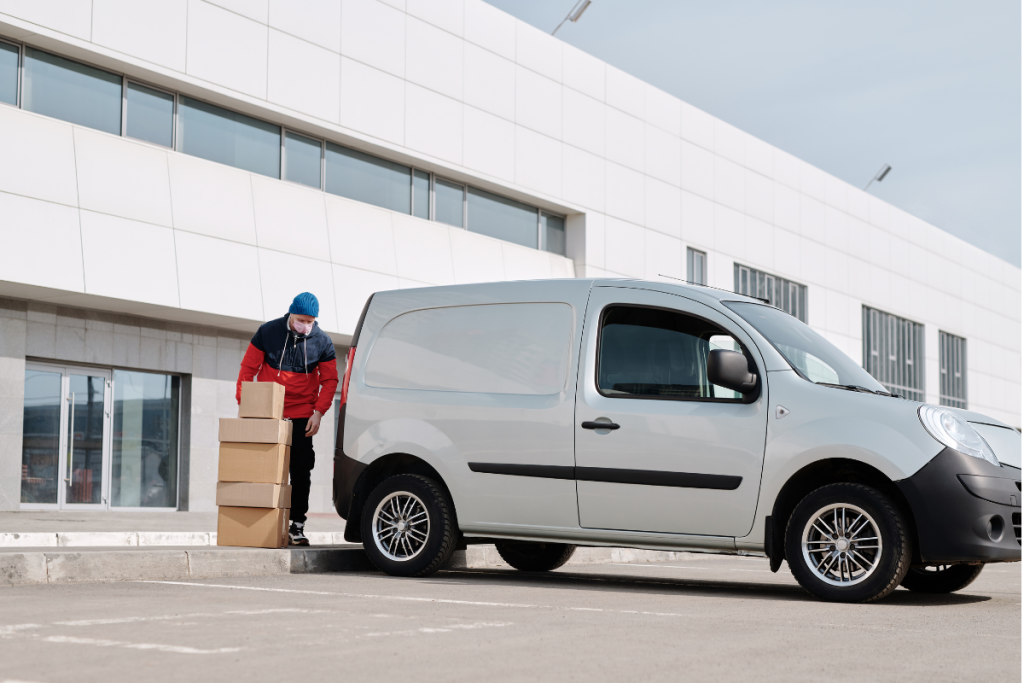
66 437
685 456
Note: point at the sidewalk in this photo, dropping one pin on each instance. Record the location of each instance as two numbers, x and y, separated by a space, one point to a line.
85 546
113 528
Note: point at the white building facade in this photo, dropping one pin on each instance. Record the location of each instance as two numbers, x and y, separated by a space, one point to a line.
173 173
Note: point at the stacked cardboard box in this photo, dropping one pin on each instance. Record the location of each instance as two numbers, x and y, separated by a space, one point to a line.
253 494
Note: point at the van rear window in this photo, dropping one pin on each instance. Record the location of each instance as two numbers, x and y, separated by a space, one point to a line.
490 349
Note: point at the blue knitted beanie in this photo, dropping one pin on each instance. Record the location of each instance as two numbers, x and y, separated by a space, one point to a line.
305 304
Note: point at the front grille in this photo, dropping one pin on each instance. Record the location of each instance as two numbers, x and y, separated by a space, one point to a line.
1016 526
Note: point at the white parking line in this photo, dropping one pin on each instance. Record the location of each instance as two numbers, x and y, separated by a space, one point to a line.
171 617
439 629
139 646
405 598
673 566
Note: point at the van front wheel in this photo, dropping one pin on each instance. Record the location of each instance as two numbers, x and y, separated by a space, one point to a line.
848 543
534 557
408 527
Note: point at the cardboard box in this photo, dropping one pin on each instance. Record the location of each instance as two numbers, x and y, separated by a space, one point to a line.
252 527
245 494
265 463
263 400
248 430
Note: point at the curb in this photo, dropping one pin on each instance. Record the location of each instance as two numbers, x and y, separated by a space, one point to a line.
162 564
132 539
43 566
486 556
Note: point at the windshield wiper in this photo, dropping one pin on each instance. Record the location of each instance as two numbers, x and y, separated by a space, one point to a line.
856 387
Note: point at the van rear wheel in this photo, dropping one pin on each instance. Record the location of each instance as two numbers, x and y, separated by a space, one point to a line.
848 543
948 578
534 557
408 527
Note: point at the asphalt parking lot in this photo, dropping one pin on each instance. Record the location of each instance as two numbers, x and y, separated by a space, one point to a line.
714 618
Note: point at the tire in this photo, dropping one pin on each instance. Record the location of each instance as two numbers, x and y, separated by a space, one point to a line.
848 566
408 526
942 579
534 557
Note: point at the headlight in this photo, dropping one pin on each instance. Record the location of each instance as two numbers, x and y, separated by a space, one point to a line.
951 430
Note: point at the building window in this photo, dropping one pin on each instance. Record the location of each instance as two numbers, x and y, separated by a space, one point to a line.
144 464
952 370
505 219
150 115
9 63
303 159
894 352
421 194
367 178
72 92
228 138
696 267
779 292
552 233
449 203
87 96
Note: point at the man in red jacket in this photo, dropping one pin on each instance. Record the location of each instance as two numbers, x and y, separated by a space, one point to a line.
295 352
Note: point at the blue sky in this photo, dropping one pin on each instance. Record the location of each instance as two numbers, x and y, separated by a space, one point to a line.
932 88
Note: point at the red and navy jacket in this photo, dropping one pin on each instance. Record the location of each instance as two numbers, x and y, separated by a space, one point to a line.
304 363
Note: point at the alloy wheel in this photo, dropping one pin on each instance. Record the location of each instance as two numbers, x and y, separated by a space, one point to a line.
401 526
841 544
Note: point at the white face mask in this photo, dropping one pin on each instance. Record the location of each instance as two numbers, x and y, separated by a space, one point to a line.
301 328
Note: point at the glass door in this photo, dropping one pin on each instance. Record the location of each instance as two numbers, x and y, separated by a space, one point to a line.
87 446
66 443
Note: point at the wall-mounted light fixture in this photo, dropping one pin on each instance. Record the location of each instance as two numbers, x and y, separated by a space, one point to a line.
574 14
880 176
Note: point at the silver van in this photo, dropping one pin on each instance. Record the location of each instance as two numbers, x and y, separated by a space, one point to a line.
545 415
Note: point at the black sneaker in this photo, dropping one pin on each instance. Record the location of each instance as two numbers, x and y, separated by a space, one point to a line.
296 534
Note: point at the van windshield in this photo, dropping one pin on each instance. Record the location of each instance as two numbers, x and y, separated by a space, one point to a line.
810 354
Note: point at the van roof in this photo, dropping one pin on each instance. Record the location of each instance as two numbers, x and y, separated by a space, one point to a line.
674 286
684 286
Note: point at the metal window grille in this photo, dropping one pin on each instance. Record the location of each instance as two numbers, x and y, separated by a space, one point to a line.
696 266
785 294
952 370
894 352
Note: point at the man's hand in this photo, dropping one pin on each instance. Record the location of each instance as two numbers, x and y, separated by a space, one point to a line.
313 423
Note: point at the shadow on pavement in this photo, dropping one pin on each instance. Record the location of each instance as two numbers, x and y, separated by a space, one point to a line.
650 585
676 586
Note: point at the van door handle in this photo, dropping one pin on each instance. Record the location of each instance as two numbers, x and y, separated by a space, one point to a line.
599 425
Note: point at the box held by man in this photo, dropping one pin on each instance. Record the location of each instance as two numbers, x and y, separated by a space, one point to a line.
262 400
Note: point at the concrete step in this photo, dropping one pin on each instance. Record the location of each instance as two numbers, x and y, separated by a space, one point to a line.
482 556
111 539
20 566
58 565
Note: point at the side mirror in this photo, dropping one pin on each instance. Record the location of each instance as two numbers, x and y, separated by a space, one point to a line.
729 369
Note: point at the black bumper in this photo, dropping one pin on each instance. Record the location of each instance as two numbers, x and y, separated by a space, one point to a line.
346 474
966 510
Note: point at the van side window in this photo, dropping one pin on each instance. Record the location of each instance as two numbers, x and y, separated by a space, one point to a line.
655 353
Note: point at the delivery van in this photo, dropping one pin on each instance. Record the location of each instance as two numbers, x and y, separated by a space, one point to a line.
544 415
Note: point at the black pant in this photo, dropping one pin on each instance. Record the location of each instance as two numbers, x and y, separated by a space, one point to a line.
299 467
